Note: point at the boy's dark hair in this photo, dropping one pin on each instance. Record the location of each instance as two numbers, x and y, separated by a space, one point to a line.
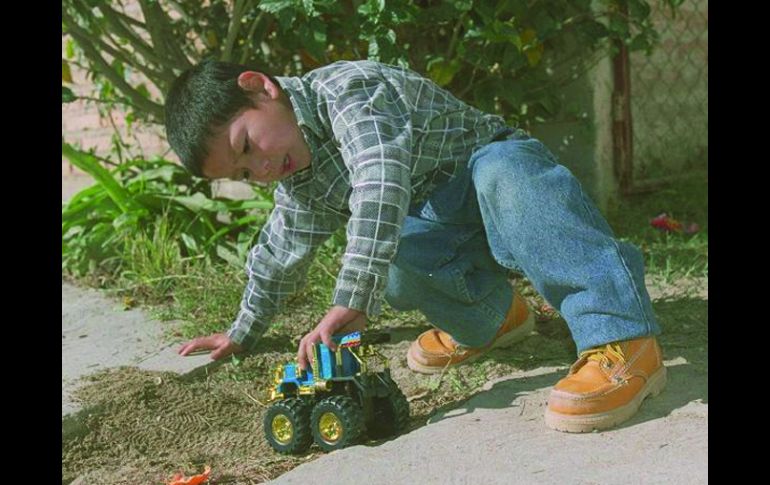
202 99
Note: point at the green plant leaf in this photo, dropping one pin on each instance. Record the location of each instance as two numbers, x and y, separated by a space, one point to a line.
441 71
91 166
619 26
67 96
126 219
371 8
231 227
66 74
69 49
199 202
228 255
165 173
309 8
275 6
189 241
249 204
639 9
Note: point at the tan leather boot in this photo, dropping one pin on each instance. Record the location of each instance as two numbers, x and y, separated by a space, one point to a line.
435 350
606 386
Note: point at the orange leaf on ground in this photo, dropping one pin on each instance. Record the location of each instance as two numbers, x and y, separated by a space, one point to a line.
179 478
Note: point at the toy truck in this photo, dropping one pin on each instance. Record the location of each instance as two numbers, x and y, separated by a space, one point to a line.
346 395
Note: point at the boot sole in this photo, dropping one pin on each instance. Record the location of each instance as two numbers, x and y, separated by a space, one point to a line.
510 338
599 421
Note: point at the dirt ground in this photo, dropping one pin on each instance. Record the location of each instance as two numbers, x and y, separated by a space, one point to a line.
140 426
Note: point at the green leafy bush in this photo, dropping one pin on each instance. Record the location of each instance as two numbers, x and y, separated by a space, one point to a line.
137 199
507 56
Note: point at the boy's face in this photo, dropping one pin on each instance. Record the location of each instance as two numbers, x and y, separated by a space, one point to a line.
262 143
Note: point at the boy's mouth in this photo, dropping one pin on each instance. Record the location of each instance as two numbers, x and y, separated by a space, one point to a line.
287 165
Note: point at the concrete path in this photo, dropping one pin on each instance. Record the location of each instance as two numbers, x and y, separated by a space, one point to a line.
499 437
97 333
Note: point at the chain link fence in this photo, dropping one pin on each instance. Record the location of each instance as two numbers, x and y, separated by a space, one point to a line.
669 94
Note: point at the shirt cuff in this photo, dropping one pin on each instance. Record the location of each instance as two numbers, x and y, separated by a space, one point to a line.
360 290
247 329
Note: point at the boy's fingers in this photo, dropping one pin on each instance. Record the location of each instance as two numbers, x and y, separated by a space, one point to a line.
187 348
301 360
309 351
196 346
222 351
199 351
326 337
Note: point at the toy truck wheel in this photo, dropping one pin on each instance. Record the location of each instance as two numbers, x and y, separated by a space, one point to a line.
337 422
391 415
287 426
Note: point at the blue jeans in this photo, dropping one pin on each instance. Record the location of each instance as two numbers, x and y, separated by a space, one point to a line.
515 208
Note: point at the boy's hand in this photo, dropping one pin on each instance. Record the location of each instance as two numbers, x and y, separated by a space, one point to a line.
219 343
337 320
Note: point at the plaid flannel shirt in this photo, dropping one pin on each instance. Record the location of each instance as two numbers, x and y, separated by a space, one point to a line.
381 138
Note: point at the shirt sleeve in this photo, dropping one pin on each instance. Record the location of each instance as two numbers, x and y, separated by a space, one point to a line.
277 265
373 128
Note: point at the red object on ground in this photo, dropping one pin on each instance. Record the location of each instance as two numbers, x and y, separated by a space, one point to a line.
666 223
179 478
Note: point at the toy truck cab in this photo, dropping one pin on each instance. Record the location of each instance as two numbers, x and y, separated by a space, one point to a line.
347 393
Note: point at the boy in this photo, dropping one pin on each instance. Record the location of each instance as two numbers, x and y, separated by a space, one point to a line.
439 200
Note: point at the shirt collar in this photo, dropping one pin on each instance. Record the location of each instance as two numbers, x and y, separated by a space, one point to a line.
304 107
302 102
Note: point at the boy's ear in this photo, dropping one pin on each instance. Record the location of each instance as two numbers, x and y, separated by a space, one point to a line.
258 83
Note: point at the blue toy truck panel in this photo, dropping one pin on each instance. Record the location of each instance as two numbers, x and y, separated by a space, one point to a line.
328 361
290 377
327 368
350 365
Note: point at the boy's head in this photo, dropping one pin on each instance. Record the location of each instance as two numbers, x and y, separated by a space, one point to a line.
226 121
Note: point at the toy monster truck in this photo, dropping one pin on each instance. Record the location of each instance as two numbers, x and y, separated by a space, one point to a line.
345 395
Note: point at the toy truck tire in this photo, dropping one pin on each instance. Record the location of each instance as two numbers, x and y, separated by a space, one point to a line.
337 422
287 426
391 416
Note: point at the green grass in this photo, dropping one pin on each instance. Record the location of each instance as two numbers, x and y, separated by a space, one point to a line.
206 295
667 255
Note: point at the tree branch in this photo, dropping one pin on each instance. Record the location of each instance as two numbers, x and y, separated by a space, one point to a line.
122 55
187 49
121 30
153 27
249 36
130 20
156 77
239 6
191 53
455 34
159 27
181 11
146 105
